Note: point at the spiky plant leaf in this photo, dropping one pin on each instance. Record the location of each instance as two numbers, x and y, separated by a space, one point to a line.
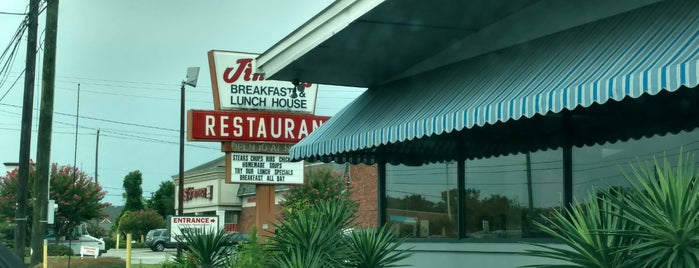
314 236
207 249
664 204
376 248
585 229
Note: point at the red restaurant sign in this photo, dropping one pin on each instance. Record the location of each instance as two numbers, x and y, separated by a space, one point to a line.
250 126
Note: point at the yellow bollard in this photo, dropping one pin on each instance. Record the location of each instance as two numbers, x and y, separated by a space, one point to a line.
46 254
117 245
128 250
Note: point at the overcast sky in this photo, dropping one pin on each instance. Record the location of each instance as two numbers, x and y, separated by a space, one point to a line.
129 57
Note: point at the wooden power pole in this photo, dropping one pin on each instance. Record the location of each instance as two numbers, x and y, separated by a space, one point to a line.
97 153
43 151
26 131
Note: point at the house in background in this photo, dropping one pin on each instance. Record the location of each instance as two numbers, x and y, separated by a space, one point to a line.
109 218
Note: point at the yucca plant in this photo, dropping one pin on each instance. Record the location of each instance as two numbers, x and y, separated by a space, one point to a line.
653 223
206 249
585 229
664 205
376 248
313 236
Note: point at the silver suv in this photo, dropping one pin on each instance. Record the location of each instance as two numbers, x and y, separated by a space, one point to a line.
159 239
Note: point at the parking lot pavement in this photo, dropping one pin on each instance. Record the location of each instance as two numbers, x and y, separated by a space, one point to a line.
143 255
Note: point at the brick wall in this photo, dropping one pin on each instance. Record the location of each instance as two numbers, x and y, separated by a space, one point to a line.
246 220
363 183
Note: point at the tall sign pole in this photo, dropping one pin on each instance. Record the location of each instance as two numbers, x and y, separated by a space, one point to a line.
26 132
191 80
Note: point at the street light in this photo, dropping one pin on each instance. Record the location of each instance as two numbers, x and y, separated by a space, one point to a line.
191 80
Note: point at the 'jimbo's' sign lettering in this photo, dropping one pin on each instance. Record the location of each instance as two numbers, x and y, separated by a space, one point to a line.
237 88
250 126
204 192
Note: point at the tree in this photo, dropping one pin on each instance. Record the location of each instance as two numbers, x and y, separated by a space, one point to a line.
140 222
133 191
320 184
163 200
8 193
78 197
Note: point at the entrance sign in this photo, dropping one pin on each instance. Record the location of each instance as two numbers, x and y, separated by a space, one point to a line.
85 250
265 169
250 126
237 88
191 224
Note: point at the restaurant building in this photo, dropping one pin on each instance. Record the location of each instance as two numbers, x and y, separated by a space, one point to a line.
481 116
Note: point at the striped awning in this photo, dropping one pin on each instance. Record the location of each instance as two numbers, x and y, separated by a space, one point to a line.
645 51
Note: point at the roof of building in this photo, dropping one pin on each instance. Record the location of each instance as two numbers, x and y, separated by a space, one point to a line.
218 163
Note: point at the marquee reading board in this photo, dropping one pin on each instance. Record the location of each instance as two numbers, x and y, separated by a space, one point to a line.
265 169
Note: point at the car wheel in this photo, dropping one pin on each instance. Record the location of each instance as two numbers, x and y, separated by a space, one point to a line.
160 246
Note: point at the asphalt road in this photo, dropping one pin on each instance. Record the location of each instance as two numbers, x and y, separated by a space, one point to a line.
143 255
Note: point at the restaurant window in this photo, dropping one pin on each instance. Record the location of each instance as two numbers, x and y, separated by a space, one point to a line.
598 167
421 201
506 194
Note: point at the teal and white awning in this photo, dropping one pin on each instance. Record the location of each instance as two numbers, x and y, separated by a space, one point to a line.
645 51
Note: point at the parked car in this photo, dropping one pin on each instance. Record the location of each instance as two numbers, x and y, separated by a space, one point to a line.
159 239
237 238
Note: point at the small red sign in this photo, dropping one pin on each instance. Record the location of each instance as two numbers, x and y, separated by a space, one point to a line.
250 126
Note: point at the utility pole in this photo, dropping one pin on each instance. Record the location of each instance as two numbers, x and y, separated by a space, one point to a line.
97 150
26 132
43 151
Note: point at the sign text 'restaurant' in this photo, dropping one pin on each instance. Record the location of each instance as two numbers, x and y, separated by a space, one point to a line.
250 126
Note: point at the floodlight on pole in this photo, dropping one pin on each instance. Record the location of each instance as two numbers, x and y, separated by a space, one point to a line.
190 80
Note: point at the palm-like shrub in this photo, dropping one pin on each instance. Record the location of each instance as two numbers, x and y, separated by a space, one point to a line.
655 223
206 249
665 207
376 248
313 236
320 235
584 228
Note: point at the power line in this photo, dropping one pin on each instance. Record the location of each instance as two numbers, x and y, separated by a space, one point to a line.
102 120
11 86
13 13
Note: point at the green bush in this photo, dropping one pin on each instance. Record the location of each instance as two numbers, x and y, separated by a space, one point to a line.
109 243
59 250
251 254
7 234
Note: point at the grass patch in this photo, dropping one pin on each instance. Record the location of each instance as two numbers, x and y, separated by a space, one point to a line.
105 262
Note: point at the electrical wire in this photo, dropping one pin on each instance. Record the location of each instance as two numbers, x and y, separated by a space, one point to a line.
13 13
11 86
